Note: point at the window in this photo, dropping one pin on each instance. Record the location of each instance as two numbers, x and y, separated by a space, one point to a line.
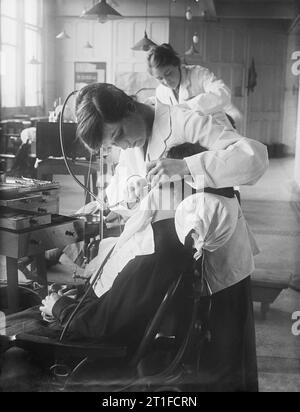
21 53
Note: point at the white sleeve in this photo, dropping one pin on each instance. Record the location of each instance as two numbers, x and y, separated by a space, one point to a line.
231 159
212 218
241 163
216 94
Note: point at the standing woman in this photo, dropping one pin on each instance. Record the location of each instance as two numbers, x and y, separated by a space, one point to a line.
194 86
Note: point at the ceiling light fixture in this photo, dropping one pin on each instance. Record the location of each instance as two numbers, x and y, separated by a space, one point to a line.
88 45
34 61
102 12
189 14
63 35
196 38
192 50
145 44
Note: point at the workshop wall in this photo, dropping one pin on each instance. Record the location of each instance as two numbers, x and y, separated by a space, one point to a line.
291 94
111 43
226 46
49 53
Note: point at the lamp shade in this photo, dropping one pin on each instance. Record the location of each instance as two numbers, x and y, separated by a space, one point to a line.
189 14
34 61
192 50
196 38
63 35
101 12
87 45
145 44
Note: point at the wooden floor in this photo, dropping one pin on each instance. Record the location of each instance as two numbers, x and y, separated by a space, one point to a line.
276 226
273 213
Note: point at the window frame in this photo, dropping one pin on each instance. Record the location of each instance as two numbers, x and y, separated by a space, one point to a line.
21 63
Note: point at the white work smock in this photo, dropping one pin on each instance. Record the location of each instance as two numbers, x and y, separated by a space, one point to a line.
201 91
231 160
220 234
219 229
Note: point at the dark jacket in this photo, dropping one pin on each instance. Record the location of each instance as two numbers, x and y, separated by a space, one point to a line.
121 315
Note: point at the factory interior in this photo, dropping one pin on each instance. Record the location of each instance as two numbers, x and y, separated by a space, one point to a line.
54 197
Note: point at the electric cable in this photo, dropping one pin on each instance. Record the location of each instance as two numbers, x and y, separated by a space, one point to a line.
89 175
101 203
64 153
72 374
164 375
100 270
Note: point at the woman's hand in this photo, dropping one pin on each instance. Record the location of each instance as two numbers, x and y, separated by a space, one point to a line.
113 217
164 170
48 303
113 220
89 209
137 189
92 267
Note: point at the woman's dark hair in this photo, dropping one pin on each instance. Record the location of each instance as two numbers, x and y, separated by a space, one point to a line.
97 104
185 150
161 56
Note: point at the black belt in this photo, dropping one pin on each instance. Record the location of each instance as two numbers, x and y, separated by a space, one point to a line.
228 192
225 191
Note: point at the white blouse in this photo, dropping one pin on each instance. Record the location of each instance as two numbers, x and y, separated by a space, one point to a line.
231 160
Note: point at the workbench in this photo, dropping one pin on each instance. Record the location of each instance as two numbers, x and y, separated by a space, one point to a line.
49 167
32 239
34 242
267 286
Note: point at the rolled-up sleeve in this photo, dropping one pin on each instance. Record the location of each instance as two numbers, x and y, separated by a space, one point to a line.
231 159
242 163
216 95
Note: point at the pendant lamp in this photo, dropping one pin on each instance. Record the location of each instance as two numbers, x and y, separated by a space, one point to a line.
189 14
195 40
192 50
88 45
145 44
34 61
102 12
63 35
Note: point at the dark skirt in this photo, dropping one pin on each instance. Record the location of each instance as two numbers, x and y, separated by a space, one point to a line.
228 362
